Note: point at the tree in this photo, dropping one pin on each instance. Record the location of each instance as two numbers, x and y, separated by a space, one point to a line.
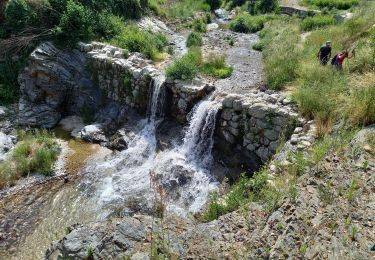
17 14
75 24
214 4
267 6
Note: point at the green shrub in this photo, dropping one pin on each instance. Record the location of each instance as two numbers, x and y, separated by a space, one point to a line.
233 3
199 25
214 4
267 6
75 24
194 39
215 66
185 68
246 23
108 25
311 23
247 189
35 153
17 14
135 40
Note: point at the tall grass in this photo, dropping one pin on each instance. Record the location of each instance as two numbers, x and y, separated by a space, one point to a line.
337 4
282 55
359 105
321 92
247 23
215 66
135 40
35 153
185 68
185 8
317 21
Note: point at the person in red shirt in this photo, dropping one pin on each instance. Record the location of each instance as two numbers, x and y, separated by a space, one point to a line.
339 58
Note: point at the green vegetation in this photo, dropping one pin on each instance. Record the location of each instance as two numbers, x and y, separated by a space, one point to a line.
68 21
280 59
270 192
215 66
321 92
194 39
35 153
185 68
337 4
190 64
152 45
317 21
185 8
246 23
199 25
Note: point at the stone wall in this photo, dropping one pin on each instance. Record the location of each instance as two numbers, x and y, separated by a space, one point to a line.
123 79
182 97
302 13
255 124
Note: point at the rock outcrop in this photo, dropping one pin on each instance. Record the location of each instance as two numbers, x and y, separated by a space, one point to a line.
182 97
58 83
55 82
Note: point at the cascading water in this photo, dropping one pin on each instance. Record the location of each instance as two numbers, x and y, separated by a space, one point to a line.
122 181
183 171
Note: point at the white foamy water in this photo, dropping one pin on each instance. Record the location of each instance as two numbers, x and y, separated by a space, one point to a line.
184 171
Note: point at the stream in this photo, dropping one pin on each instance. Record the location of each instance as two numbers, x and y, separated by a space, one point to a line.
96 183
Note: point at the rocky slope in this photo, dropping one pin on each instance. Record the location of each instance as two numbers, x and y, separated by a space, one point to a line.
329 219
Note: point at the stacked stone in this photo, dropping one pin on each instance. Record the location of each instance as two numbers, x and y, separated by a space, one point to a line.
255 123
185 96
301 141
123 79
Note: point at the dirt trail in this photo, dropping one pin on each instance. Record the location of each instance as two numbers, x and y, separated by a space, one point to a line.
246 62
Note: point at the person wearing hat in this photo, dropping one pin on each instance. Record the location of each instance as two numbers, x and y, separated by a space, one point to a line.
324 54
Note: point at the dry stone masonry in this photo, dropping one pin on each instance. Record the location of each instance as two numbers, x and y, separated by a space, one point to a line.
123 79
184 96
255 123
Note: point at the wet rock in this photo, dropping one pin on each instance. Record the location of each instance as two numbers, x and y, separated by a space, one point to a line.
93 133
73 125
6 143
54 81
3 112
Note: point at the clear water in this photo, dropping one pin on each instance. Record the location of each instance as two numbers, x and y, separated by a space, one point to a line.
184 172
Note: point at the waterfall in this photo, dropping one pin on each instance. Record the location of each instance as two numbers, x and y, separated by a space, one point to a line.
184 171
198 140
156 102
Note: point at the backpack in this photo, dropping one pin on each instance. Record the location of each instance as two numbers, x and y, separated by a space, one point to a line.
333 62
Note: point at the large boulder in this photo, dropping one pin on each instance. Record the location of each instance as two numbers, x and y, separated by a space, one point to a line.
55 82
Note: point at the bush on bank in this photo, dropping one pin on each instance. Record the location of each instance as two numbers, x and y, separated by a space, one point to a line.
35 153
246 23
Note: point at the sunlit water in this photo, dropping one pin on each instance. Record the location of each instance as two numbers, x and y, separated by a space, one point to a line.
121 182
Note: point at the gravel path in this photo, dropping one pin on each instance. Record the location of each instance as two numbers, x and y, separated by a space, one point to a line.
246 62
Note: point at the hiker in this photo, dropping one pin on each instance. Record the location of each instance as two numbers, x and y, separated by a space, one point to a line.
338 60
324 54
